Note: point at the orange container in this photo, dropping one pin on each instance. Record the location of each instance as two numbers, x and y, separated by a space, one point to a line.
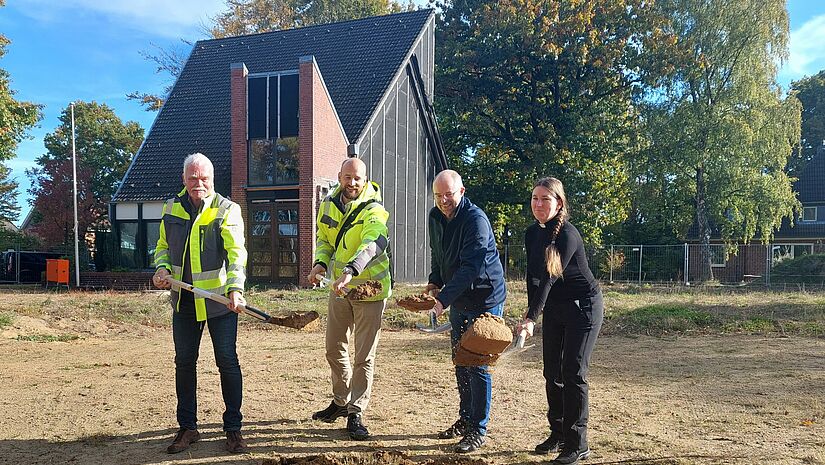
57 271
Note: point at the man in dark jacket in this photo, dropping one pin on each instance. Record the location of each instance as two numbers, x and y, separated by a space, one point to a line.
467 277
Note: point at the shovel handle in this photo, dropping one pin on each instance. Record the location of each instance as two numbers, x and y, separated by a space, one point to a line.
246 308
324 280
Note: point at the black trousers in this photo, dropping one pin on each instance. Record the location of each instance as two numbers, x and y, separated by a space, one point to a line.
569 334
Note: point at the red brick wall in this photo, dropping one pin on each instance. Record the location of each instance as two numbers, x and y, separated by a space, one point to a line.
323 147
238 143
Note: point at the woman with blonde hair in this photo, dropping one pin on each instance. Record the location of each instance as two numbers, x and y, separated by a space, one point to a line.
560 284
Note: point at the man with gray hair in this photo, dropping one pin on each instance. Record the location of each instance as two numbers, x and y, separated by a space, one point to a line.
466 276
202 242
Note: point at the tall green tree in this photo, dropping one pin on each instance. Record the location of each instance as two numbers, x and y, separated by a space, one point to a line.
105 146
243 17
530 88
811 93
721 130
16 118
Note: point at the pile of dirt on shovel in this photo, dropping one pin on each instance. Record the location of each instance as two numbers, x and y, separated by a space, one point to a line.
365 290
416 302
385 457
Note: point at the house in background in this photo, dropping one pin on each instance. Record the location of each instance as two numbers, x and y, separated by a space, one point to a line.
277 113
806 236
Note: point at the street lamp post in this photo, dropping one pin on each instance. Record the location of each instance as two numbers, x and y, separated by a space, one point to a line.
74 199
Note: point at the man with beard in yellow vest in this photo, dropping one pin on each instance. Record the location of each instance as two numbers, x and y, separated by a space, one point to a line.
202 242
352 248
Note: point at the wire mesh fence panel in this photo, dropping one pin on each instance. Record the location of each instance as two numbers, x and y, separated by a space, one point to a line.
772 265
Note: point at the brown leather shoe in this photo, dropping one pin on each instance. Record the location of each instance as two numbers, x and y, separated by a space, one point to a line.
235 442
183 439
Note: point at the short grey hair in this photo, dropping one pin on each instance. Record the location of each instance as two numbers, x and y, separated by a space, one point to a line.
197 158
452 175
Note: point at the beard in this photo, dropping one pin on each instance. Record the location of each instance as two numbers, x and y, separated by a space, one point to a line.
350 194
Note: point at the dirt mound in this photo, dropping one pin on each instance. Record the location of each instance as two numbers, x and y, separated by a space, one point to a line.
294 320
483 341
365 290
416 302
488 334
384 457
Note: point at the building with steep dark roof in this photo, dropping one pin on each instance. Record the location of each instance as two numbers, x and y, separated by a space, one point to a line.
277 113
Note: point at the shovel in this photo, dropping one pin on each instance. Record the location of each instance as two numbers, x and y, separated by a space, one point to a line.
434 327
326 282
290 322
517 346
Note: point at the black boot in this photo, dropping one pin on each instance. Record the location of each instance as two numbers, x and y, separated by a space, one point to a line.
356 428
331 413
552 444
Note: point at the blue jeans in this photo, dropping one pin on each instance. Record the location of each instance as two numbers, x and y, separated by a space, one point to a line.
187 332
475 384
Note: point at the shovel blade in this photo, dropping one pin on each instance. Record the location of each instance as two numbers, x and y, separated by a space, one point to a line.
438 329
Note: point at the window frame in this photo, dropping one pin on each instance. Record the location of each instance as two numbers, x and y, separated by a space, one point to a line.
807 209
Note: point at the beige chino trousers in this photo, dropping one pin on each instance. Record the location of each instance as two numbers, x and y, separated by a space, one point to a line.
352 384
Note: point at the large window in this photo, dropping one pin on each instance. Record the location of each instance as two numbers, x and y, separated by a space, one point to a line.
273 130
129 257
782 252
273 162
152 235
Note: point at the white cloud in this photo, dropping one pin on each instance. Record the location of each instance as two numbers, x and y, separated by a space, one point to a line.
807 52
166 18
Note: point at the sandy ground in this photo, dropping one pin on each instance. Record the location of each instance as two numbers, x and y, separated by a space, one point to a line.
108 397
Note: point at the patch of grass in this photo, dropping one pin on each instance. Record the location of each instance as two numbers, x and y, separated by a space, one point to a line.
661 319
5 320
48 338
755 325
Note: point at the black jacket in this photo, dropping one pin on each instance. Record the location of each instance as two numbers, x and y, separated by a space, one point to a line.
465 260
577 281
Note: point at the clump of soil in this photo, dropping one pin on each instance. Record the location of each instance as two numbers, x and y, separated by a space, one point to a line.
365 290
416 302
382 457
482 343
294 320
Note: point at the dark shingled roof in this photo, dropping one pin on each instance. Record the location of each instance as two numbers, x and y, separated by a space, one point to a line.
357 60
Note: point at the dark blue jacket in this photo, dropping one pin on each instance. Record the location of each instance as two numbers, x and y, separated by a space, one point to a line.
465 259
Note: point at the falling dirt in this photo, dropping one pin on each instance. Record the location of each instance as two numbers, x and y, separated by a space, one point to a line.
416 302
365 290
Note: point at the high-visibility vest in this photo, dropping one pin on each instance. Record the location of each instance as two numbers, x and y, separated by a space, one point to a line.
370 225
217 256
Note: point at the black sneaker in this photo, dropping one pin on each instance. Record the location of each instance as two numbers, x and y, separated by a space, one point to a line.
471 441
457 430
331 413
552 444
356 429
572 456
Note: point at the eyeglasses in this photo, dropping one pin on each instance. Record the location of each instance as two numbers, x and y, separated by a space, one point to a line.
446 195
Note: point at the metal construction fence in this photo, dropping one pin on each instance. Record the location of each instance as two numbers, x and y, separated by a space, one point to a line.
769 265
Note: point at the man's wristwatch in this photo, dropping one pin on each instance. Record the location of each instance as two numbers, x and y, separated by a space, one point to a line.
348 270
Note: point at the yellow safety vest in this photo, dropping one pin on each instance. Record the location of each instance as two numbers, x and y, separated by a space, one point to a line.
217 256
370 225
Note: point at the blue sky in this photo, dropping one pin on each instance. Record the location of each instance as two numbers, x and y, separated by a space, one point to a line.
66 50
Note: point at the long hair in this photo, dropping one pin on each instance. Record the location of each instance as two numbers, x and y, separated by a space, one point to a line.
551 254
